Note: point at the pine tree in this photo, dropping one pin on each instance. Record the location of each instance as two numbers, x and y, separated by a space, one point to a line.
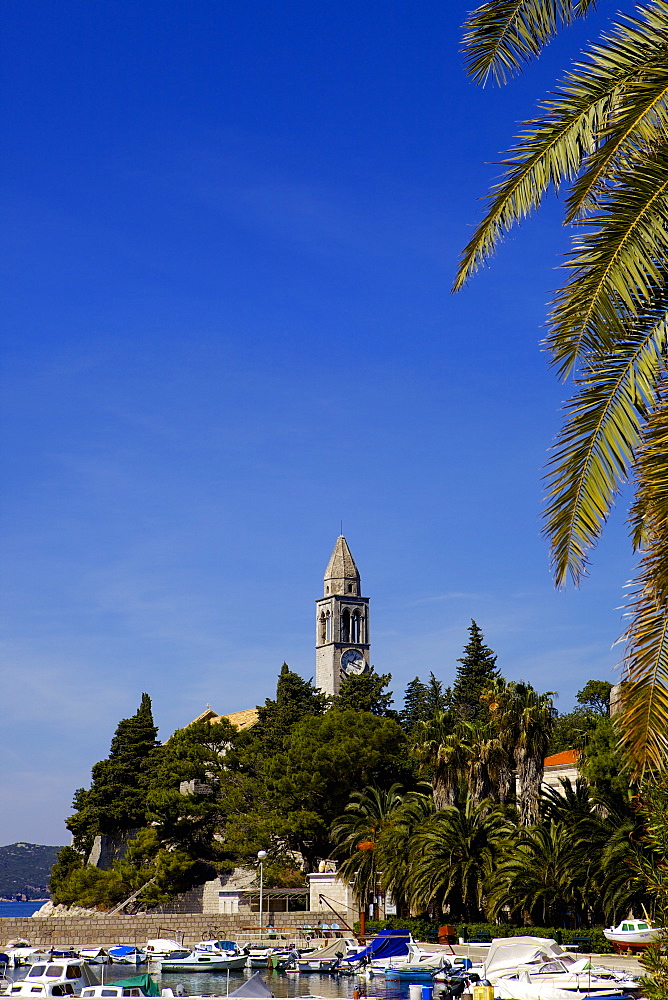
116 800
422 701
478 668
415 705
365 693
295 700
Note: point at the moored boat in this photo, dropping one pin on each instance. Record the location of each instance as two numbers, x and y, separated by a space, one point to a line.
197 961
632 934
127 954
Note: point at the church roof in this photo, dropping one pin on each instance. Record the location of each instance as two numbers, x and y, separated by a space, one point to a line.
242 720
341 565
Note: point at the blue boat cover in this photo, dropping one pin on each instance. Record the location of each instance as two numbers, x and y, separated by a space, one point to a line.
122 949
387 944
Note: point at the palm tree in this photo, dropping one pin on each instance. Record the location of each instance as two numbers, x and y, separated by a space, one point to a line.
453 854
443 754
603 135
395 842
546 874
357 832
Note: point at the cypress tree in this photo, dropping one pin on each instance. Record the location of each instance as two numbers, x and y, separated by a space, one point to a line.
478 668
116 800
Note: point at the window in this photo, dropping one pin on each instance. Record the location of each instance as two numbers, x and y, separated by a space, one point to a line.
109 993
323 628
37 970
55 970
328 630
73 971
350 588
642 926
345 626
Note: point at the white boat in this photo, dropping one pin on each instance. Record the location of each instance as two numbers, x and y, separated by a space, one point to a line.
527 964
94 956
632 934
517 988
127 954
159 947
58 978
197 961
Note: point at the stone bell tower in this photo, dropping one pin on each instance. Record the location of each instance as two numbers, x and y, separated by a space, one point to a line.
342 623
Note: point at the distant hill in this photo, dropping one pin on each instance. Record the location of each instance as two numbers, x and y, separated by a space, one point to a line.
25 868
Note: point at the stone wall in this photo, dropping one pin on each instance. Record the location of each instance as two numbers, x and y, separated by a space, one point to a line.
101 929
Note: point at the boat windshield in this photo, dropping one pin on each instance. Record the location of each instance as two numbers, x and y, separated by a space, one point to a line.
642 926
37 970
54 970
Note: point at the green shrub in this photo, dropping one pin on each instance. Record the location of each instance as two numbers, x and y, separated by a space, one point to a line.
425 929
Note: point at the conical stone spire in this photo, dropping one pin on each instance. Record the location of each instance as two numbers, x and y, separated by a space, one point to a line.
342 575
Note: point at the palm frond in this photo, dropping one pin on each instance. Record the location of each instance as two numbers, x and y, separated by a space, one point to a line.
502 35
636 120
596 447
591 109
649 513
644 714
618 265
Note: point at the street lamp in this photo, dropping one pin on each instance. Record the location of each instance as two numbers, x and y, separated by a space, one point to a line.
261 855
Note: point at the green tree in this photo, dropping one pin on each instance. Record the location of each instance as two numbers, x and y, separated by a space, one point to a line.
453 855
546 874
296 699
325 760
422 701
116 800
595 696
602 136
441 756
476 671
395 842
365 692
357 832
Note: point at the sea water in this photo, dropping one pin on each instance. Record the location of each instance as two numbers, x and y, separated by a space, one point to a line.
20 908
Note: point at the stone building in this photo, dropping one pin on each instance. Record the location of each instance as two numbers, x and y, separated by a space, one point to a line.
342 622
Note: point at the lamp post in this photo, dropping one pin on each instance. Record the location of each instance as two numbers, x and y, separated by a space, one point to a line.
261 855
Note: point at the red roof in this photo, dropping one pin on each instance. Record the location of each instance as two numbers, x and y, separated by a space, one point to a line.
565 757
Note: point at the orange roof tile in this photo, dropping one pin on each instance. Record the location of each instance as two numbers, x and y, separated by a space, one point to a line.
563 758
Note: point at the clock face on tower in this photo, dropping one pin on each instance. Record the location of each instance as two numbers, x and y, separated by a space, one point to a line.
352 662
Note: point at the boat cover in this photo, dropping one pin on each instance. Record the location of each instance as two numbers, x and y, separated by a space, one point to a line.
254 988
122 949
508 953
388 944
146 984
328 951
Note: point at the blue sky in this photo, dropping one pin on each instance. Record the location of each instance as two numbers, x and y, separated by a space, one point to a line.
231 233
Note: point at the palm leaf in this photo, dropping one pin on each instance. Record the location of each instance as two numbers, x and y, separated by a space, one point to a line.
596 447
635 120
575 124
618 264
644 713
502 35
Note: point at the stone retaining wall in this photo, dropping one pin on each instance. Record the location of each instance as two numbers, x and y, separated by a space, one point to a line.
101 929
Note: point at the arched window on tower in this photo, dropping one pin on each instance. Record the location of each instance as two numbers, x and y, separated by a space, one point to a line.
355 627
345 626
328 628
322 630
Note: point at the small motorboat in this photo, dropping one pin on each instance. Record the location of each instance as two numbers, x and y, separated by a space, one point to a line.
94 956
144 986
59 978
159 947
197 961
632 934
127 954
